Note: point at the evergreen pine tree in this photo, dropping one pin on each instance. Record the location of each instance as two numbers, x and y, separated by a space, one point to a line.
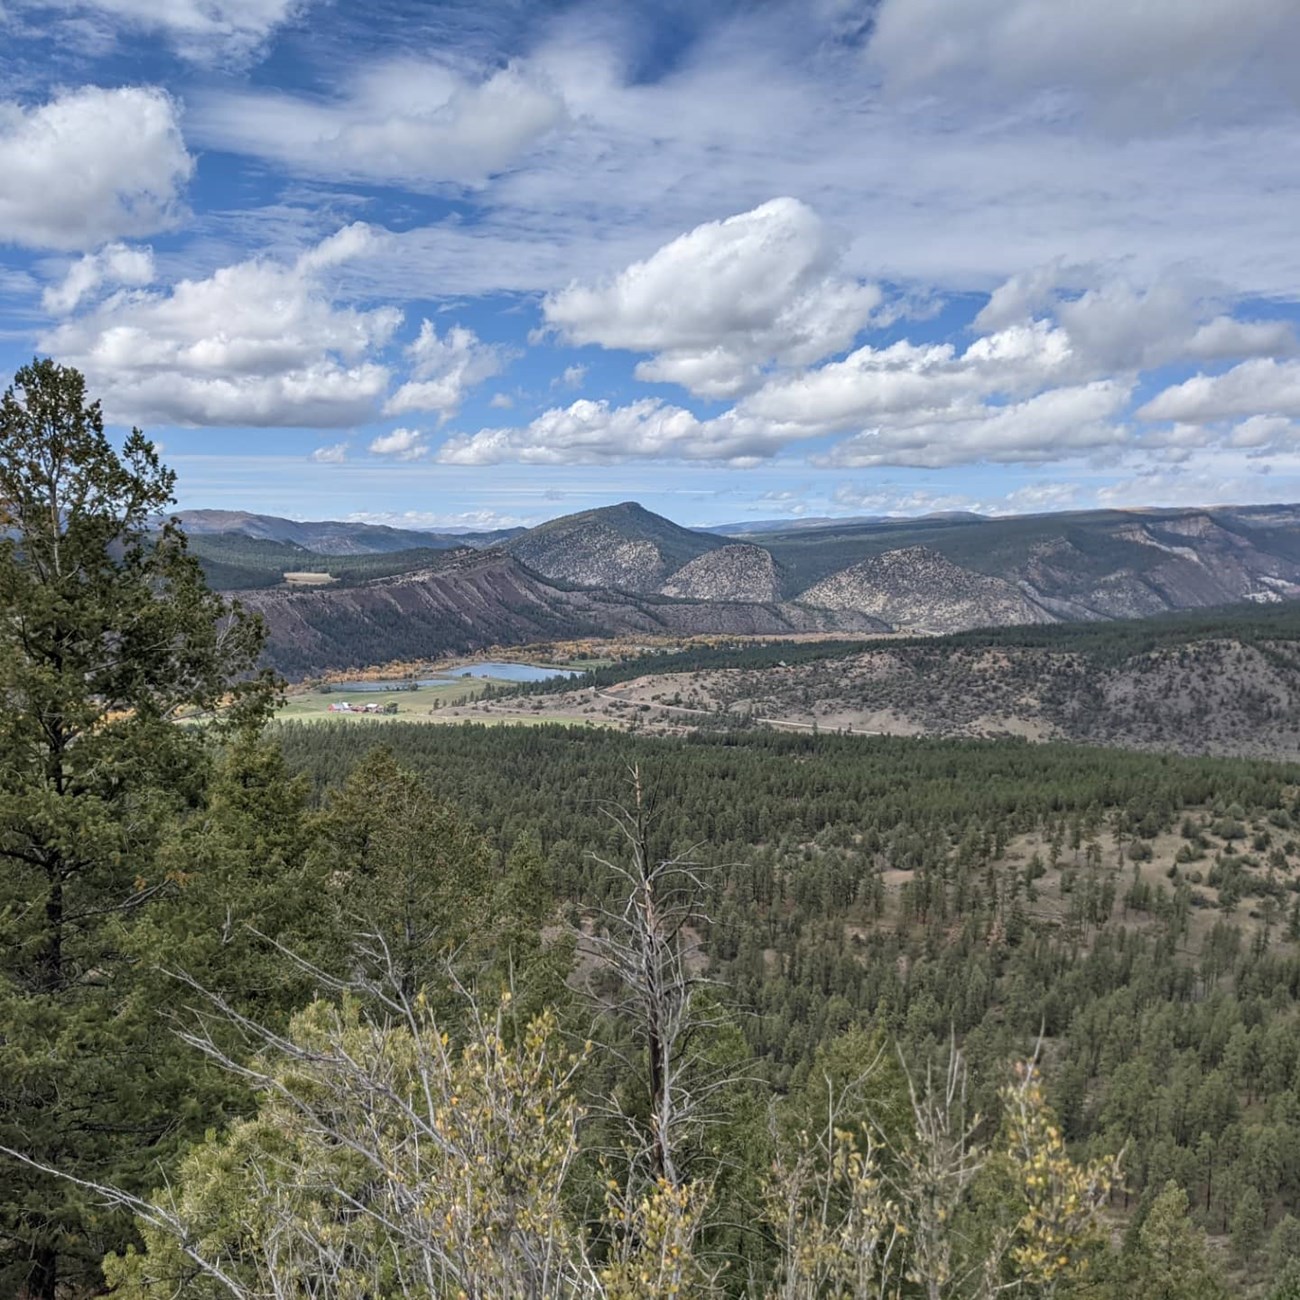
109 637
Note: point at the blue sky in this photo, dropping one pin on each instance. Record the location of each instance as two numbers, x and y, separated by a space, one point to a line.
490 261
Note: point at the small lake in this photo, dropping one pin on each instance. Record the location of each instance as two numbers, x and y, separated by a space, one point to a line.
504 672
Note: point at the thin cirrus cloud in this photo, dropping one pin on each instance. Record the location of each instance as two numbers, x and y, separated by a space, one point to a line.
258 343
201 30
91 165
1145 65
411 122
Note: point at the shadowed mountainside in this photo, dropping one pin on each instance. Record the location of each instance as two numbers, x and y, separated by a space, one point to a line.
478 599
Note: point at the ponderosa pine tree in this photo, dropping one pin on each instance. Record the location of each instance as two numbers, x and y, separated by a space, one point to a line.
109 636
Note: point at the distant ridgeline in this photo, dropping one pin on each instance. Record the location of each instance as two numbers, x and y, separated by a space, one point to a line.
234 562
621 570
1104 643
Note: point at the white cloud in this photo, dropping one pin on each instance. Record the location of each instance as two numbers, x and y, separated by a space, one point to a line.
257 343
444 369
1030 498
401 444
1137 63
908 383
717 304
571 378
417 123
1265 433
1217 480
113 265
585 432
199 29
1117 326
461 521
897 501
501 402
906 405
90 165
1225 337
1261 386
1053 425
1041 497
335 454
1049 376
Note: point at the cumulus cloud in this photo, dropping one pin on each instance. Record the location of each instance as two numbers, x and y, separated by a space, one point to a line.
444 368
1140 63
418 123
198 29
400 444
90 165
719 303
1261 386
913 405
599 433
1118 326
585 432
335 454
111 266
911 383
258 343
1053 425
1049 376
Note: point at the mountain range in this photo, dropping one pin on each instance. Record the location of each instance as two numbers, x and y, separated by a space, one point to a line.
331 537
622 570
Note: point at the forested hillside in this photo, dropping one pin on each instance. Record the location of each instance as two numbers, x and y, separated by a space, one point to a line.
1220 682
995 891
535 1011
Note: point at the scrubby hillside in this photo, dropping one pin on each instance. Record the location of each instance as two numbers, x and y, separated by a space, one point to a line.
918 589
623 547
733 573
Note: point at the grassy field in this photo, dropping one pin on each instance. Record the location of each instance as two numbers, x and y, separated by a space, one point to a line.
439 703
412 706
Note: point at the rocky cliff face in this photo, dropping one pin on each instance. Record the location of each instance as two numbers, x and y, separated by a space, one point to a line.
920 590
1143 567
732 573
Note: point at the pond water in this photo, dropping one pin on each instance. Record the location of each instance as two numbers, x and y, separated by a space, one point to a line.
505 672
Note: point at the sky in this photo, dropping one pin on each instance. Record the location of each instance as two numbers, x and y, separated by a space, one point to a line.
478 263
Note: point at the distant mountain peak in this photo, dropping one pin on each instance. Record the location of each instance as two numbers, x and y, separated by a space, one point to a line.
623 546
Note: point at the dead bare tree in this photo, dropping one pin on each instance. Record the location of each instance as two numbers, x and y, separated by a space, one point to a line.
644 940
